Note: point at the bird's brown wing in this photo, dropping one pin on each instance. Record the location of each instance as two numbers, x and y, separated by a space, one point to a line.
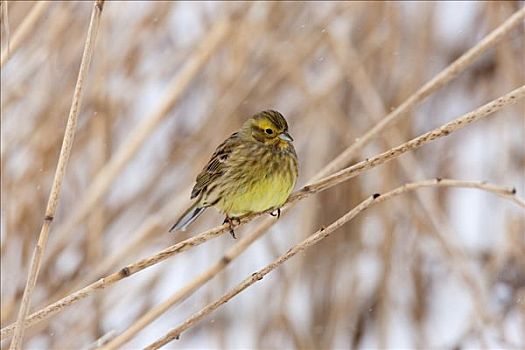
216 166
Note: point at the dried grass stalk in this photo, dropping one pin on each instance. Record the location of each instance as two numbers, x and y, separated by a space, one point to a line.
67 144
324 232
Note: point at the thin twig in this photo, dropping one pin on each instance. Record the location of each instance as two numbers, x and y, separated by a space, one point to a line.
322 234
65 151
441 79
102 182
409 166
174 92
270 60
321 185
454 125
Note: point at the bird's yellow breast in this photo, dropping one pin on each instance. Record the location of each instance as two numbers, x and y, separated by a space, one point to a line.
268 192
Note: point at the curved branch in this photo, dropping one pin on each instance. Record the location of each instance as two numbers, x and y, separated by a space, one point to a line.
306 191
322 234
321 185
442 78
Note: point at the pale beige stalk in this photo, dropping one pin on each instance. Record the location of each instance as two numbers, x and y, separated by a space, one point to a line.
323 233
139 135
441 79
65 151
343 175
321 185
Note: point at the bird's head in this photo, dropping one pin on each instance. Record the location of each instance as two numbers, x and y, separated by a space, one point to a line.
268 127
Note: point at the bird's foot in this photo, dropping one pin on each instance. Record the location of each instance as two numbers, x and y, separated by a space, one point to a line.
278 214
230 221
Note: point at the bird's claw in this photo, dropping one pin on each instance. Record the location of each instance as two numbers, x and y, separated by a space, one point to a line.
278 214
230 222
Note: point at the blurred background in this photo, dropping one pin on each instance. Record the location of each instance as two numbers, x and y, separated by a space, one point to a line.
169 81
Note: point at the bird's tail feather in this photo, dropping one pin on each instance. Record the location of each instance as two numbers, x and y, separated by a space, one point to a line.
188 217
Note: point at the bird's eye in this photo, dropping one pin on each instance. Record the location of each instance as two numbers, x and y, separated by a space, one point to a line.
269 131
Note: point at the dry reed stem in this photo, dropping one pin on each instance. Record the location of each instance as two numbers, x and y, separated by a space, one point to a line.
433 85
65 151
23 30
454 125
101 183
62 234
321 185
409 166
148 227
175 90
117 276
323 233
491 39
219 97
156 220
330 181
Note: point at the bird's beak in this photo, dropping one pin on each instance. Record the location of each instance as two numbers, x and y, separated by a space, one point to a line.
286 137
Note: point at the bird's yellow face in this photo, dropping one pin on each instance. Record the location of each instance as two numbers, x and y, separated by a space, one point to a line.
270 128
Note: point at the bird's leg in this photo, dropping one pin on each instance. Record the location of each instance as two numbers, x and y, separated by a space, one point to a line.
272 213
230 222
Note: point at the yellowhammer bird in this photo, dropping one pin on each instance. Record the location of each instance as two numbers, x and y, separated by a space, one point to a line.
253 171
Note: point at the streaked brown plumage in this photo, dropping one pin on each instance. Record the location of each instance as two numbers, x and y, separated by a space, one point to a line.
252 171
